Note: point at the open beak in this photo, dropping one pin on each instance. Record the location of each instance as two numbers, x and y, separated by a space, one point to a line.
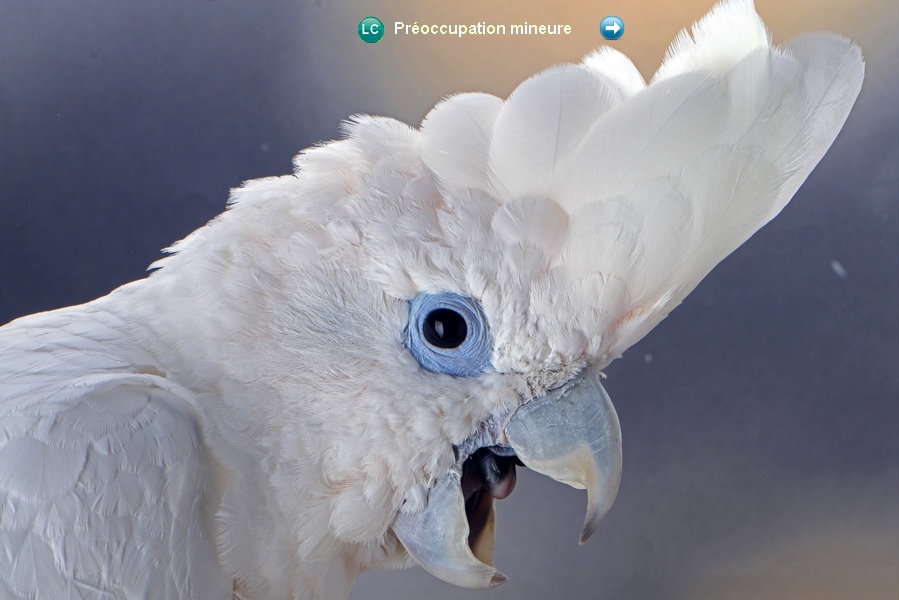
571 434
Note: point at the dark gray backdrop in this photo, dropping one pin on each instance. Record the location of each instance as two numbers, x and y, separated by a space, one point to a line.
760 420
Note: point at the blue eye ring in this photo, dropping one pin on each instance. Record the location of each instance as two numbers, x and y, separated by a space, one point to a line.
448 333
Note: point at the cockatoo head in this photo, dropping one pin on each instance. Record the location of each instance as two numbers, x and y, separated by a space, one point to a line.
415 310
405 342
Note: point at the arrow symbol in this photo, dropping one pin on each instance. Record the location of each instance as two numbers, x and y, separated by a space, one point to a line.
613 27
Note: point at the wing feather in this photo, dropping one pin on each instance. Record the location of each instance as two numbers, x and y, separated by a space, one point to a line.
103 478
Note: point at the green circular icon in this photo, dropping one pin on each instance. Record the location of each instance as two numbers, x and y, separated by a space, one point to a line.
371 30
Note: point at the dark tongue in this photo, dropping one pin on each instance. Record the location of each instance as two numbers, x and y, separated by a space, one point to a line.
491 471
498 473
485 475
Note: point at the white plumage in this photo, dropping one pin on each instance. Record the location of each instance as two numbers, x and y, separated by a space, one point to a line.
247 420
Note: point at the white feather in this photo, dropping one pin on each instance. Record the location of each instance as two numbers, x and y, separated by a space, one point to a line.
103 482
729 32
459 159
616 68
539 127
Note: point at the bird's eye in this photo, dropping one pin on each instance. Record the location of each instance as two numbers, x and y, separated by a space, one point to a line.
445 328
447 333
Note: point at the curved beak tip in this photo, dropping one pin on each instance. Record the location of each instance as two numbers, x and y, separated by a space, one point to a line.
573 435
595 515
589 529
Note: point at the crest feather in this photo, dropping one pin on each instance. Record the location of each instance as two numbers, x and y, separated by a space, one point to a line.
653 184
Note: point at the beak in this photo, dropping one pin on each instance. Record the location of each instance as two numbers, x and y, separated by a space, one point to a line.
437 538
571 434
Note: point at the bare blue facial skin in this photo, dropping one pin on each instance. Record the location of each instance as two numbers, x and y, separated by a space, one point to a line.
448 333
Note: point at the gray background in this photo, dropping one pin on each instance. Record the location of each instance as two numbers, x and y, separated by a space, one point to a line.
760 420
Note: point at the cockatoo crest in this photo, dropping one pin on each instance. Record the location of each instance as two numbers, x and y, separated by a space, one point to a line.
585 207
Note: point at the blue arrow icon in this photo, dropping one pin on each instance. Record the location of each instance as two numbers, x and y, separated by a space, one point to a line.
611 28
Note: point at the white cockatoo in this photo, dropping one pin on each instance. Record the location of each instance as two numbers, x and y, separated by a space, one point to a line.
342 371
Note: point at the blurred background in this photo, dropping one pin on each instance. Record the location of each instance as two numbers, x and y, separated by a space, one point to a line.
760 420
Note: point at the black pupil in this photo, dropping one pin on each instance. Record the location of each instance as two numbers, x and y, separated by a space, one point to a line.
445 328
